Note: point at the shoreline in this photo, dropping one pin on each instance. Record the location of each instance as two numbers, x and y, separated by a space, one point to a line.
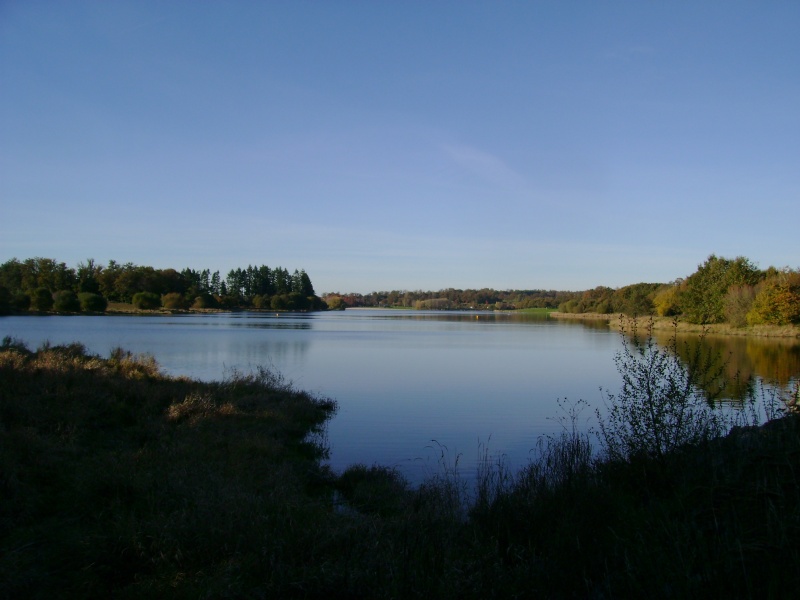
619 320
615 320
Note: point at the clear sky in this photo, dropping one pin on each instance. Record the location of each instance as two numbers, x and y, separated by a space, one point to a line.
403 145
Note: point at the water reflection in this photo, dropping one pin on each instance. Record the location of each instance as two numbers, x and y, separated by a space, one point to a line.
743 360
285 324
587 323
259 320
481 316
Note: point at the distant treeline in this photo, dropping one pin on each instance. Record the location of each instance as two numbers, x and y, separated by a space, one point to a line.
722 290
44 284
453 299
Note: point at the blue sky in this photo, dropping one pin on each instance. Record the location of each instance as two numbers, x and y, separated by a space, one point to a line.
403 145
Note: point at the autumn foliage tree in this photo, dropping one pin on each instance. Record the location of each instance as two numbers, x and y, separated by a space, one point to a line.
778 300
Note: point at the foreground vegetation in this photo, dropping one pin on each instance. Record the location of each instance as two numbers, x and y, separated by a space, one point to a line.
116 478
118 481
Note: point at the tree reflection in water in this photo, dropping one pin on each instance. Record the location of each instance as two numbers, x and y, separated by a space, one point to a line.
774 361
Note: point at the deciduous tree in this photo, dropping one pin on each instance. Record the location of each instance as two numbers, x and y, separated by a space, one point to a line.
702 300
778 301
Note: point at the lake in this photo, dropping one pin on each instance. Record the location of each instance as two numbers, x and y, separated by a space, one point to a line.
411 385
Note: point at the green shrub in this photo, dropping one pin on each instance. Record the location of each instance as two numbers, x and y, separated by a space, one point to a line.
230 301
570 306
173 301
279 302
636 299
604 308
262 301
205 301
5 301
91 302
41 299
336 303
297 301
146 300
703 293
20 301
66 301
737 304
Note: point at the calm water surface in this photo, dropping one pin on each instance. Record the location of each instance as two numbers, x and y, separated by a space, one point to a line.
408 384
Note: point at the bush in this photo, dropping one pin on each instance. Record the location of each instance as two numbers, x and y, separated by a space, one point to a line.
737 304
297 301
663 404
20 301
778 301
336 303
229 301
146 301
279 302
66 301
91 302
42 299
667 301
5 301
702 300
261 301
570 306
173 301
205 301
604 308
636 299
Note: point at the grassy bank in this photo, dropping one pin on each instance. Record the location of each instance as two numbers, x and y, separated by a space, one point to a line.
118 481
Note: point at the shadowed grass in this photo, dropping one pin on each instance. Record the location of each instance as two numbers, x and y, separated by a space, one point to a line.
116 477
